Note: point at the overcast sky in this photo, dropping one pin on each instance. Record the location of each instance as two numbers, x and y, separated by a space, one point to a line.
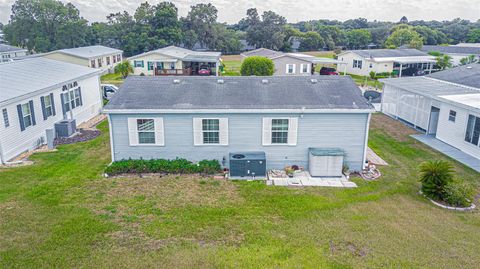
232 11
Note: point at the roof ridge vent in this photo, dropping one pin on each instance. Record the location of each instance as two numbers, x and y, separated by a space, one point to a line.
176 81
314 80
264 81
220 81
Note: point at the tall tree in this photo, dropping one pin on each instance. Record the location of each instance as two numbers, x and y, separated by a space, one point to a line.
358 38
44 25
474 36
201 20
404 36
267 32
311 41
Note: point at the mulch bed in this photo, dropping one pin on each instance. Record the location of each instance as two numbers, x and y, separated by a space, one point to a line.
81 136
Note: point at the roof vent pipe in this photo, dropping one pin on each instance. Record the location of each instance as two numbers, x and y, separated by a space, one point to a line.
265 81
220 81
176 81
314 80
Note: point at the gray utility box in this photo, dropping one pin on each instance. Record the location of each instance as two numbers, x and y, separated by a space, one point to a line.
65 128
325 162
248 164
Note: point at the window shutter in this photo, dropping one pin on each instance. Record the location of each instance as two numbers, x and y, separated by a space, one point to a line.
80 94
267 132
62 97
159 132
223 131
132 131
53 104
32 111
42 102
197 132
292 131
20 117
294 66
286 68
309 68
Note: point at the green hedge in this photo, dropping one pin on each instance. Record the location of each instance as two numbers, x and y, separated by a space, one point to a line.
177 166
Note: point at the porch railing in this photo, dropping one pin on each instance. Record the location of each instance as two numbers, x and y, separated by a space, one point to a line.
173 72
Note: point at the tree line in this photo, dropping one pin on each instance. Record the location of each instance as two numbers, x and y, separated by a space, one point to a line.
46 25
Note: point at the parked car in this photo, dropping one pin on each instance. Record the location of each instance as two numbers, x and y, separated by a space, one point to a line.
108 90
204 70
328 71
413 72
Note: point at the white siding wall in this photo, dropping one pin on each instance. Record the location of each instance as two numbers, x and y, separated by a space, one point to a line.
453 133
14 141
154 57
411 107
348 57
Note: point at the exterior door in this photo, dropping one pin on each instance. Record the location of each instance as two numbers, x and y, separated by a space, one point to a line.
433 123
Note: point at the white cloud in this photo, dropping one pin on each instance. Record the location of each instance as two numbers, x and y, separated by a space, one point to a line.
232 11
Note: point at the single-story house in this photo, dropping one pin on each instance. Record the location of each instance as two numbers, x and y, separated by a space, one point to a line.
280 117
362 62
36 94
99 57
9 53
291 63
173 60
456 52
445 105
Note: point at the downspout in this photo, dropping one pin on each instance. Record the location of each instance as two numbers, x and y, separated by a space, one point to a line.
366 141
2 157
110 130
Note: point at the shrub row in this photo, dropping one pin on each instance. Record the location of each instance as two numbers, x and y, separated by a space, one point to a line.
177 166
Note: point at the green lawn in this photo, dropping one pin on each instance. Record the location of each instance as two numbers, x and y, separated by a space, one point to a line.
60 212
113 78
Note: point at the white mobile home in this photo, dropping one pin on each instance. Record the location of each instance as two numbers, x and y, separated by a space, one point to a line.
99 57
362 62
36 93
9 53
445 105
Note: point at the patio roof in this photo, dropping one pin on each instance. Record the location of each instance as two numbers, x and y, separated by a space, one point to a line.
407 60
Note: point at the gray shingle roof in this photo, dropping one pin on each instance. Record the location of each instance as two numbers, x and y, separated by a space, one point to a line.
280 92
452 49
90 51
8 48
19 78
383 53
263 52
468 75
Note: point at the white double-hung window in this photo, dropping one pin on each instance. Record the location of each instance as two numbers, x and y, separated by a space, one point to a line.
280 131
146 131
290 69
210 131
304 68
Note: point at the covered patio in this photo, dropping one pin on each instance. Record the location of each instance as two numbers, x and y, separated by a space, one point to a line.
419 63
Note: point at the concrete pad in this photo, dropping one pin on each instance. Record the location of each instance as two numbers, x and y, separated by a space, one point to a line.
450 151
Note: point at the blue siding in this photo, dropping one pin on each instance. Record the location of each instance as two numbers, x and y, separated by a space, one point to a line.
345 131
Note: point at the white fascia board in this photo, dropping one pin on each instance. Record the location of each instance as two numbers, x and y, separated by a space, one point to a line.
238 111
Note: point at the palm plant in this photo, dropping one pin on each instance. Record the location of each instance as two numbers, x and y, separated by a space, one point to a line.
444 61
434 176
124 68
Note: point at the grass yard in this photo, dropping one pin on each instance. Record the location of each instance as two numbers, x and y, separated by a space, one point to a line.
113 78
232 65
60 212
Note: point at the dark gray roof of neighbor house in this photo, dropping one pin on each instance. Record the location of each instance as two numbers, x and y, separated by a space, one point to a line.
8 48
385 53
452 49
275 92
468 75
263 52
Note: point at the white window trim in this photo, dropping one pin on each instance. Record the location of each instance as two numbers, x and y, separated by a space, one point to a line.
133 132
293 69
222 132
49 106
292 131
308 68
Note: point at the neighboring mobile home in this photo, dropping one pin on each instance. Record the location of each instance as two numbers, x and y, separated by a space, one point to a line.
173 60
36 93
100 57
199 118
456 52
362 62
445 105
9 53
291 63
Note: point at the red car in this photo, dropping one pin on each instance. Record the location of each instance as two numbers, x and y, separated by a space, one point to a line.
328 71
204 70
